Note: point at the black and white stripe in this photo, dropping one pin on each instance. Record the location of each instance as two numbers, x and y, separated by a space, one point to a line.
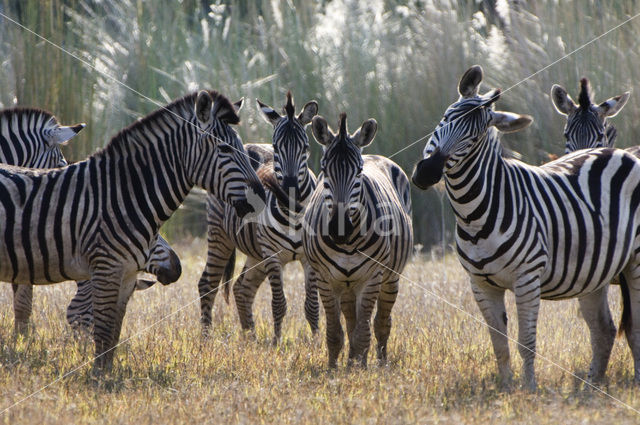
357 234
98 218
557 231
274 238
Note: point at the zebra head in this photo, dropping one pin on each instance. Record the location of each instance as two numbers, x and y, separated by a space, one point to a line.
221 164
587 125
342 165
463 129
290 143
35 136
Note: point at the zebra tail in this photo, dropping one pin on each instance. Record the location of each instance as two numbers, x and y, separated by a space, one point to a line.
227 275
625 320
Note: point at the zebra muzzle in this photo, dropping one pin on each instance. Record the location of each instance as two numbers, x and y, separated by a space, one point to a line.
429 170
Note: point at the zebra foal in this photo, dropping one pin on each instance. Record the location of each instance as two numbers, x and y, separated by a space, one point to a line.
96 219
357 237
557 231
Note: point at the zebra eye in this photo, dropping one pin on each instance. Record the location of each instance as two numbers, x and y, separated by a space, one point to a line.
225 148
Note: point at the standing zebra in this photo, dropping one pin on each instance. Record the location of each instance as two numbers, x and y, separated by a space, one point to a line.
587 125
557 231
98 218
31 137
275 239
357 237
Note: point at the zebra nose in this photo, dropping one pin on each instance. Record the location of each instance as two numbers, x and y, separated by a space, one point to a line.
429 170
340 226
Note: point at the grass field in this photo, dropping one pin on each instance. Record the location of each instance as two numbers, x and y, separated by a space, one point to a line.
441 367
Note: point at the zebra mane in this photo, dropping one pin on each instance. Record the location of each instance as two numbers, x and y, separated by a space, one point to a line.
342 133
584 99
22 111
289 108
180 109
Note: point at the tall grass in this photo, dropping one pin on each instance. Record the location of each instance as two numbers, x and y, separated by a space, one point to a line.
397 61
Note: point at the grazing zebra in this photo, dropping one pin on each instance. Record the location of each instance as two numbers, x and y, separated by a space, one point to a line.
357 237
96 219
557 231
163 262
31 138
275 239
587 125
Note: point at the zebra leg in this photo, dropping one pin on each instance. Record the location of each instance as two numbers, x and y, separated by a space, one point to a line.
110 297
335 334
218 253
80 309
490 301
382 322
631 323
22 306
595 310
348 307
244 292
528 303
365 302
311 303
278 300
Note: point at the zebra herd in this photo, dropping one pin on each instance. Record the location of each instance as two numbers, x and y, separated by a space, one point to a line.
565 229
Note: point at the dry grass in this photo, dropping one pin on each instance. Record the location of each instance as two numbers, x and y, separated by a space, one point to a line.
441 367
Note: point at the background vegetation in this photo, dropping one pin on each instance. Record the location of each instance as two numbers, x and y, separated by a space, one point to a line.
395 60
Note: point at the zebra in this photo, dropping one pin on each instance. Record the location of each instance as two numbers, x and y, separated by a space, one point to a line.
31 137
273 239
357 237
587 125
556 231
163 262
96 219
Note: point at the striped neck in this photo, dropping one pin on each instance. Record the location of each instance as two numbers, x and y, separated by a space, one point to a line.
474 182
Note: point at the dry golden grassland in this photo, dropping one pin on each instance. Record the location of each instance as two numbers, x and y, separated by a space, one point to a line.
441 367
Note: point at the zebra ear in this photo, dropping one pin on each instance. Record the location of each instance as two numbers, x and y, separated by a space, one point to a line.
611 107
225 111
366 133
268 113
470 81
508 122
561 100
62 134
321 131
237 106
309 110
204 104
